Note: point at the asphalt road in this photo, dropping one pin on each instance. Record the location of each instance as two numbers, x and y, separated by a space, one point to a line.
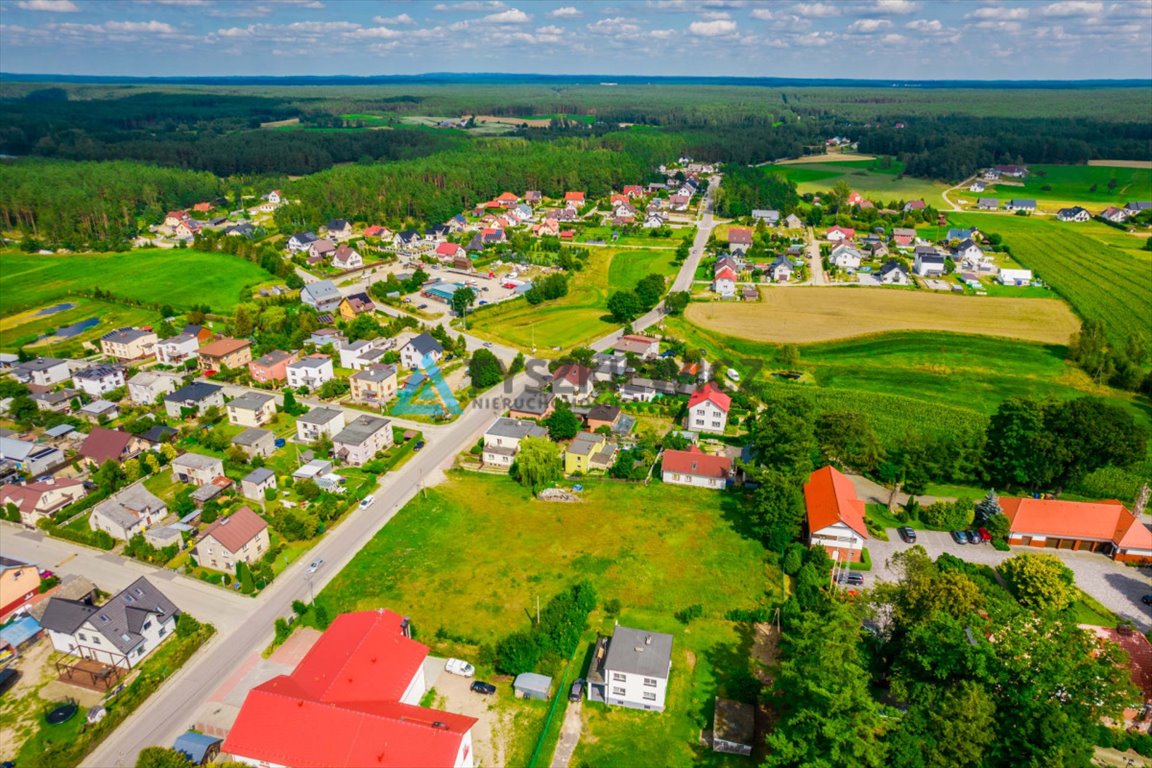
169 712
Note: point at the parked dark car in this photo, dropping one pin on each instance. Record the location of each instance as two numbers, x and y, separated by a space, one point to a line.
972 536
852 578
1147 599
577 691
480 686
959 537
419 445
907 534
8 678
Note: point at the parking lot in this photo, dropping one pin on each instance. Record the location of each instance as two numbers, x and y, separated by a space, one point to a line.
1117 586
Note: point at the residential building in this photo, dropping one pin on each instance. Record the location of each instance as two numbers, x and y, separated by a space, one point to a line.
780 270
375 385
968 251
768 216
602 415
589 452
120 633
103 445
708 409
311 371
256 482
57 401
1107 527
256 442
696 468
42 372
929 264
325 336
355 304
845 257
241 537
146 387
128 343
1019 277
33 459
840 234
893 273
531 404
36 501
421 351
724 281
339 229
644 347
100 410
19 583
97 380
987 203
572 383
360 354
835 515
631 669
196 468
130 512
320 250
1075 213
319 422
178 349
225 353
346 257
193 399
251 409
271 367
352 701
1017 204
323 295
301 241
364 436
792 221
502 440
1114 214
1138 206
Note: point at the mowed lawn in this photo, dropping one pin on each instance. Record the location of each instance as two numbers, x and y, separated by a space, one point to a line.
1099 270
178 277
875 183
578 317
804 315
1074 184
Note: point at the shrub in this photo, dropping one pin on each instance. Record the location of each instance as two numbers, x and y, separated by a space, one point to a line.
947 516
686 615
865 563
749 615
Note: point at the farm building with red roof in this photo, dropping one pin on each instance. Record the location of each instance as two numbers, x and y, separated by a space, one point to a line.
1107 527
352 701
835 515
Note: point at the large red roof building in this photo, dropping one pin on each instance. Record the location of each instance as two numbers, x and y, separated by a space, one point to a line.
835 515
1107 527
352 701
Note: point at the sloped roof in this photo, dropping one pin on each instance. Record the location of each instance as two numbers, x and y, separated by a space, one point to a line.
223 346
697 463
104 444
573 373
120 620
1104 520
830 498
712 394
236 530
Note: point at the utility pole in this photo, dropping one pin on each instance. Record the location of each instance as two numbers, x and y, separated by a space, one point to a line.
537 609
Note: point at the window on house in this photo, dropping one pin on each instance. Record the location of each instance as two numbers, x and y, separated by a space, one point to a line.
618 677
617 690
650 682
82 637
148 624
649 696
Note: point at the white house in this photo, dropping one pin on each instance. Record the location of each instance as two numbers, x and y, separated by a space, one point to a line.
631 669
146 386
323 295
708 409
99 379
364 353
835 515
131 511
193 398
969 251
120 633
419 350
1015 277
311 371
43 371
502 440
319 422
358 442
1075 213
845 257
893 273
929 264
696 468
176 350
196 468
256 482
301 241
724 281
251 409
573 383
346 257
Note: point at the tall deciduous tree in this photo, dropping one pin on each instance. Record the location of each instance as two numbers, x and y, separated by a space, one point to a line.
484 369
1040 582
537 463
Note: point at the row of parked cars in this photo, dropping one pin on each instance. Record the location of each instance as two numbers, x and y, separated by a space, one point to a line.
974 536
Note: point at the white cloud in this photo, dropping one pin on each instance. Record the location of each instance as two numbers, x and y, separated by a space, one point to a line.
401 19
377 33
868 25
551 29
615 26
925 25
816 10
998 12
470 5
893 7
764 14
1009 27
661 34
567 12
1072 8
50 6
510 16
815 39
717 28
157 27
716 15
893 39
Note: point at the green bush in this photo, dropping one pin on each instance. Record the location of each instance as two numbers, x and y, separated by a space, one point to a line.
686 615
99 539
865 563
948 516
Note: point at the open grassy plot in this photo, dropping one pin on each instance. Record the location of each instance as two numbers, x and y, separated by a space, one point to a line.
1086 263
178 277
576 318
875 183
802 315
25 329
1082 184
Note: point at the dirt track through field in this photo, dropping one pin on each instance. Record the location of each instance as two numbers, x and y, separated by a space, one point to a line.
1122 163
804 315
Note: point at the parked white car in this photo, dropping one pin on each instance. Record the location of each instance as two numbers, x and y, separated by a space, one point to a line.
460 667
733 375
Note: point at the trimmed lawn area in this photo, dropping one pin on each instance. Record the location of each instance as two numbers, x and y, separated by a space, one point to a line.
179 277
23 329
872 181
1072 184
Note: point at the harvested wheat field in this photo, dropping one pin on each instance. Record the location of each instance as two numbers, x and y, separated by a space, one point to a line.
803 315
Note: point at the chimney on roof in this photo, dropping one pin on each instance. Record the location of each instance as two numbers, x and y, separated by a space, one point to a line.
406 627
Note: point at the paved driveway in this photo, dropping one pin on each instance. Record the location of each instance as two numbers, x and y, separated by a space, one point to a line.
1117 586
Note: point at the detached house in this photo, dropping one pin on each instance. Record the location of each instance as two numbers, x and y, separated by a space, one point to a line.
644 347
36 501
845 257
356 304
1020 205
120 633
256 482
176 350
840 234
310 372
339 229
708 409
375 385
589 452
256 442
241 537
502 440
1076 213
724 281
1114 214
271 367
196 468
251 409
103 445
130 512
319 422
631 669
835 515
301 241
42 372
447 252
572 383
19 583
28 457
225 353
193 400
360 354
421 351
696 468
99 379
780 270
893 273
322 295
359 442
145 387
346 257
128 344
929 264
987 203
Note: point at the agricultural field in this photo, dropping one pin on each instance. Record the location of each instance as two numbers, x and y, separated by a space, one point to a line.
178 277
804 315
1099 270
1080 184
868 177
46 331
576 318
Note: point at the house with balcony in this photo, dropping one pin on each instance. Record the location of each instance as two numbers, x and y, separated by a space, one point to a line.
310 372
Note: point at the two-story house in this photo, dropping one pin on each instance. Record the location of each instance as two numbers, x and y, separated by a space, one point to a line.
241 537
631 669
196 468
319 422
358 355
310 372
420 351
145 387
589 452
323 295
573 383
271 367
96 380
128 343
251 409
130 512
42 372
193 399
696 468
19 583
359 442
502 440
708 409
375 385
225 353
177 349
835 515
256 442
36 501
256 482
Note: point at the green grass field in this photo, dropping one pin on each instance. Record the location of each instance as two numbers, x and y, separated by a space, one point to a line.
576 318
1074 184
875 183
23 329
179 277
1088 264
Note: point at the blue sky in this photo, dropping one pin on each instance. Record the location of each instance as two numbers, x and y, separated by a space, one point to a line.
899 39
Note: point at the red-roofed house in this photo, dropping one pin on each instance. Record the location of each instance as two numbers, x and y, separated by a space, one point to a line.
103 445
644 347
835 515
507 199
739 236
634 190
708 409
202 207
572 383
377 230
352 701
1107 527
574 199
239 537
724 281
840 234
448 251
1139 652
39 500
694 467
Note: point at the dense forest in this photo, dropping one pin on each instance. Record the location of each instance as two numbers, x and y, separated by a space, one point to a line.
746 189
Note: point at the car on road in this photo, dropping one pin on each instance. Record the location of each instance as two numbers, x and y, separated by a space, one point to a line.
852 578
576 692
460 667
972 536
481 687
907 534
419 445
984 534
483 303
1147 599
367 501
315 565
487 345
959 537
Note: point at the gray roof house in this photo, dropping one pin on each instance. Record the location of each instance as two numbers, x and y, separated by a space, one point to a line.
196 468
197 396
319 421
120 633
769 217
323 295
419 348
358 442
502 440
256 442
256 482
130 512
631 668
